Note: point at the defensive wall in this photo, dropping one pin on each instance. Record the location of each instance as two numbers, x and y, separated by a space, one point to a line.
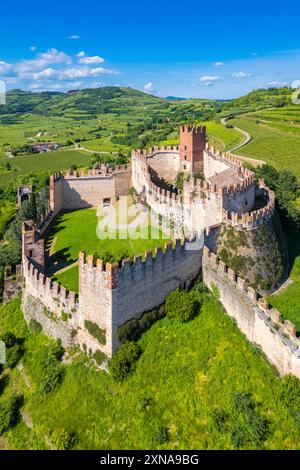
72 191
261 325
108 296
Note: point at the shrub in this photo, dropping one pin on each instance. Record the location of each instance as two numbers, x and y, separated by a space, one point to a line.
251 428
63 440
160 435
220 420
129 331
9 412
95 331
124 359
290 391
99 357
64 316
35 326
50 370
181 305
9 339
13 355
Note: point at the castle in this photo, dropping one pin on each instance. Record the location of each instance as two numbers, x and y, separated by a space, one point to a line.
217 189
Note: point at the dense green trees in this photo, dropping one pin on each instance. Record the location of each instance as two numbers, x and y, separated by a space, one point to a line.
287 189
124 360
181 305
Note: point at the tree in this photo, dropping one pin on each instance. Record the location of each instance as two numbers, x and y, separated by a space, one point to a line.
181 305
124 359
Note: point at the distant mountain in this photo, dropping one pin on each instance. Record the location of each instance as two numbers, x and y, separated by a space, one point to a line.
175 98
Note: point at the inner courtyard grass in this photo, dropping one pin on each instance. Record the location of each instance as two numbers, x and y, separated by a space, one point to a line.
187 375
77 230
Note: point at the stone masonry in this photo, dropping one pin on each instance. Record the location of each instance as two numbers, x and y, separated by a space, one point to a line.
110 295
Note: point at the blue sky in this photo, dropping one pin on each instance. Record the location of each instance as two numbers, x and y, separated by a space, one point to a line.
213 49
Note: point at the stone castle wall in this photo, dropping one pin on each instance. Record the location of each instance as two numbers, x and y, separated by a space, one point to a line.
73 191
166 165
108 296
260 324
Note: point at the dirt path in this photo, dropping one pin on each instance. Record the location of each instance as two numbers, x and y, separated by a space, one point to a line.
248 139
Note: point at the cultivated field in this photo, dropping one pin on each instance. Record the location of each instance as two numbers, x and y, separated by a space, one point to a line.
48 162
275 137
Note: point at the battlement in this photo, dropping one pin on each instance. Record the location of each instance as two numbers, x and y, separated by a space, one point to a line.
192 129
286 329
251 220
228 158
50 291
103 171
144 154
131 271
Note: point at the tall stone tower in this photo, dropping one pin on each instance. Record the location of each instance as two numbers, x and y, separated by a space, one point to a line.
192 145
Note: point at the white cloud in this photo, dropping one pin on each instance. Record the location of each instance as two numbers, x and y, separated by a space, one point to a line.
5 67
74 36
46 73
276 83
46 86
80 54
84 72
52 56
33 48
209 78
218 64
242 75
149 88
91 60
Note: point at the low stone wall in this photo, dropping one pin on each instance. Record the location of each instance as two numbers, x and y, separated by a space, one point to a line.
52 325
261 325
12 283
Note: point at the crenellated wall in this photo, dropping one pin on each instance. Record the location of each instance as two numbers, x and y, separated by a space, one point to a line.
108 296
50 304
255 218
127 292
73 191
260 324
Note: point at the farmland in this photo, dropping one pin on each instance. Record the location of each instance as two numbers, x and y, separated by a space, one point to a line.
275 136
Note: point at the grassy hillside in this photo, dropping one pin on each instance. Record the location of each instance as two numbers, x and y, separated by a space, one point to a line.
287 300
185 393
24 165
275 137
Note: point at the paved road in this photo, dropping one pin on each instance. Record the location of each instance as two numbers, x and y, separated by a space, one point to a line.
248 139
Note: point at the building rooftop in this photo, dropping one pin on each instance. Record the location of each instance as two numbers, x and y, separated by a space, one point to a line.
227 178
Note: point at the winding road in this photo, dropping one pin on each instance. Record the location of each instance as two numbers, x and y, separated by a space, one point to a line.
248 139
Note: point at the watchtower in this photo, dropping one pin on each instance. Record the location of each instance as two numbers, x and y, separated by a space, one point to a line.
192 145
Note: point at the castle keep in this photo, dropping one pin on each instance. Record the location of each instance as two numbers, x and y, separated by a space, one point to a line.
217 190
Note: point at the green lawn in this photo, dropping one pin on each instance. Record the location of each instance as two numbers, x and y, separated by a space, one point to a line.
186 377
287 301
76 231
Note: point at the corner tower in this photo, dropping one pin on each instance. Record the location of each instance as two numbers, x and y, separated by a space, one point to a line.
192 145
